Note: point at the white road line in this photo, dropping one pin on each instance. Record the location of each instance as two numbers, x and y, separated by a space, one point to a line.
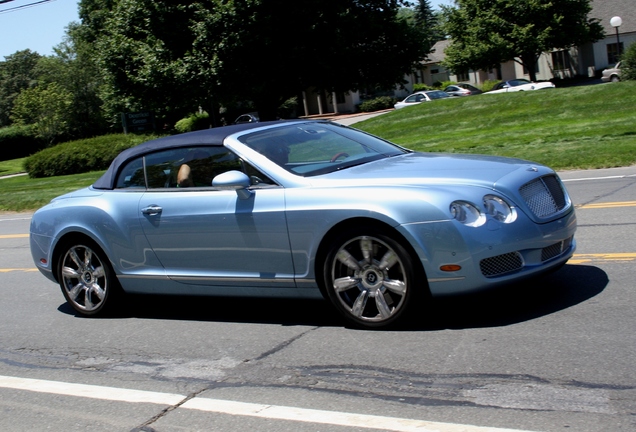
273 412
90 391
599 178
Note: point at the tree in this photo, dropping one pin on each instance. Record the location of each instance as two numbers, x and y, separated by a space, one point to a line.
628 63
175 56
45 108
428 22
74 68
17 73
486 33
328 45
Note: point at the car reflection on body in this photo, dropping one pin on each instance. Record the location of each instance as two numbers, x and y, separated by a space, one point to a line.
462 89
419 97
520 84
302 209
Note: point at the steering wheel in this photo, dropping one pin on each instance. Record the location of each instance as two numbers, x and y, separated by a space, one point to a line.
338 155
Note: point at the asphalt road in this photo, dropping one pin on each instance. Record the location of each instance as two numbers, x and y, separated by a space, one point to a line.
553 354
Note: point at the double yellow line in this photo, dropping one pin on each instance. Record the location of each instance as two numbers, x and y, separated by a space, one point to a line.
607 205
10 236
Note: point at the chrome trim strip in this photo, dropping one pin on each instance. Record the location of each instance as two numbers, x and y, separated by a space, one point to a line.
231 279
447 279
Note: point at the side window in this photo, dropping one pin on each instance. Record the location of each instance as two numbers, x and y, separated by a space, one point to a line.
132 175
185 168
199 165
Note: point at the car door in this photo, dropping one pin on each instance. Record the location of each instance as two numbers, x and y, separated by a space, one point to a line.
205 236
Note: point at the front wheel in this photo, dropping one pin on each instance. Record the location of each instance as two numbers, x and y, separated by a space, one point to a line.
369 278
86 278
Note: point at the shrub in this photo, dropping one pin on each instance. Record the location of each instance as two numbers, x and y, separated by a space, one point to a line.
628 63
488 85
196 121
377 104
421 87
80 156
18 142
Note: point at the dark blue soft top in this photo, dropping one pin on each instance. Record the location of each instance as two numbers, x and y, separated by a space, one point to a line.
213 137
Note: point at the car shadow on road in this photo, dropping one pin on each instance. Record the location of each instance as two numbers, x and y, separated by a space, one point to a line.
515 303
510 304
281 311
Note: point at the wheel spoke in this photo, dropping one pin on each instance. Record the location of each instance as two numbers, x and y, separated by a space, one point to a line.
359 304
88 304
383 308
396 286
98 272
76 259
366 246
88 255
70 273
98 291
348 260
388 260
75 291
345 283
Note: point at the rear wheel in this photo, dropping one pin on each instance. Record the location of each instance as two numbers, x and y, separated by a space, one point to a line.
369 278
86 277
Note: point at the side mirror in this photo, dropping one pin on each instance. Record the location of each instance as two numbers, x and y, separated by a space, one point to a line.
233 180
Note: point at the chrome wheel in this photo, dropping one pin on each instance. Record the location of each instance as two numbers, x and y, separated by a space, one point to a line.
368 279
85 278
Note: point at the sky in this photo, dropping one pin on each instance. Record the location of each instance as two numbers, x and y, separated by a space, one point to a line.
40 25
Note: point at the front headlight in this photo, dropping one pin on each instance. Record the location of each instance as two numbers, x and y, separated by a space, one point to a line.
467 213
499 209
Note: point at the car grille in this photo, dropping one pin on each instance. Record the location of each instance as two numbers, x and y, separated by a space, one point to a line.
544 196
501 264
513 261
556 249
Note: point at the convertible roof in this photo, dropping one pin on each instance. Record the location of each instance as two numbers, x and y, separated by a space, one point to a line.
212 137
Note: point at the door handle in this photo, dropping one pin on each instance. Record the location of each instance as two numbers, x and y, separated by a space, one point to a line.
152 210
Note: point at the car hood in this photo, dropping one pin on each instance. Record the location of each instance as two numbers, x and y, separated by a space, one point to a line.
427 169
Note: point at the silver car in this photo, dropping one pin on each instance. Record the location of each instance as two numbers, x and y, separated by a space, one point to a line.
302 209
422 96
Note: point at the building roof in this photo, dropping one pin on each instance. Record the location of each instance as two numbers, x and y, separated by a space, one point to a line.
437 54
604 10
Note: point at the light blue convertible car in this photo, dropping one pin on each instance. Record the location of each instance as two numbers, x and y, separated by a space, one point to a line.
299 209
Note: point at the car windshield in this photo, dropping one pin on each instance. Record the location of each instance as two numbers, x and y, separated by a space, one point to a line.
311 149
518 82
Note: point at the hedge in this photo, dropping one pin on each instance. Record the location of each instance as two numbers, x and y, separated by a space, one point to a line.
75 157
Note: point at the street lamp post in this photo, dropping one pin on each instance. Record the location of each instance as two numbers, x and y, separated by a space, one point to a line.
616 23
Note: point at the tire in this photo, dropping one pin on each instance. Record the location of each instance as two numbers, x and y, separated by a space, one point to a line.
615 78
369 278
86 278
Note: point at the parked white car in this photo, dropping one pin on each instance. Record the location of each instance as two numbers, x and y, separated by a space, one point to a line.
520 84
423 96
612 74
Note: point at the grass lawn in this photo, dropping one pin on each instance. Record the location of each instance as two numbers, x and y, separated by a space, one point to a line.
566 128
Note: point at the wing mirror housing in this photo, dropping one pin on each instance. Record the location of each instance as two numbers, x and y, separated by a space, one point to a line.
233 180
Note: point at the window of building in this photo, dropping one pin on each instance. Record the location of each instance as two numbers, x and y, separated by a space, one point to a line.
561 60
613 52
